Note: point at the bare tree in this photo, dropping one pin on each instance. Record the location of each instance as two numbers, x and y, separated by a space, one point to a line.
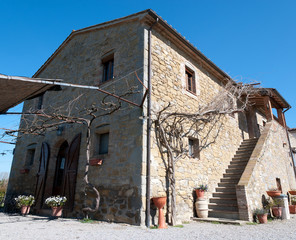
38 122
173 128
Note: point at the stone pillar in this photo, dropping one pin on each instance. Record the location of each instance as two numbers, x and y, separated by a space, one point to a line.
242 203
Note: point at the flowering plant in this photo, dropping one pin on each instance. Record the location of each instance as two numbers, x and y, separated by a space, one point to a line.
56 201
23 200
260 211
203 187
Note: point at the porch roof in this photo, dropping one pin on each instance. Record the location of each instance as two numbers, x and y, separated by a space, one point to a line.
14 90
277 100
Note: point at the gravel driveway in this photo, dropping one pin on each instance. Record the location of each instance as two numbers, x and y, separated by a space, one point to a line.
35 227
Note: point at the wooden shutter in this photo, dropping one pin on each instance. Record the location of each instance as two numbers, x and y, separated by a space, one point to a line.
41 175
193 84
71 165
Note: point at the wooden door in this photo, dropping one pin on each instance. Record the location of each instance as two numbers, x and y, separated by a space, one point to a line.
41 175
60 170
70 172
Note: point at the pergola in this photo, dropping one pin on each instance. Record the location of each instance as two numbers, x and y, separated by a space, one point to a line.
269 98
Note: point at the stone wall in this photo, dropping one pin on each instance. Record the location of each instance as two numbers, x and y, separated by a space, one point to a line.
168 85
269 160
119 177
292 135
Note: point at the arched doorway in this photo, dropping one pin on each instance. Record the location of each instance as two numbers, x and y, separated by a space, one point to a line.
60 169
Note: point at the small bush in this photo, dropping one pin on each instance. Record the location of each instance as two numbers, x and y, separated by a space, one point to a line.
3 187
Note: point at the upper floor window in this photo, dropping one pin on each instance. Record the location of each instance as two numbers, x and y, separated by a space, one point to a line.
108 65
193 147
103 143
190 80
40 102
30 155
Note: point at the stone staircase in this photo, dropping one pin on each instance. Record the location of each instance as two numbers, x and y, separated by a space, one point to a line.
223 204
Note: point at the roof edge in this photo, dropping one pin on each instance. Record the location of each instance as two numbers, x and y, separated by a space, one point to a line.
90 28
188 44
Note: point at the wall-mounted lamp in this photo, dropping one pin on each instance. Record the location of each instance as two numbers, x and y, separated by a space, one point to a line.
60 130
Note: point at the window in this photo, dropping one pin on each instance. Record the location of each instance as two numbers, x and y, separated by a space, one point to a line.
193 148
190 80
108 65
30 155
103 143
40 102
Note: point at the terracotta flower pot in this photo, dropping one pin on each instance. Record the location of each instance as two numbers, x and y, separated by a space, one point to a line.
273 193
292 209
159 203
292 192
25 210
199 193
24 171
96 162
201 207
56 211
277 211
262 218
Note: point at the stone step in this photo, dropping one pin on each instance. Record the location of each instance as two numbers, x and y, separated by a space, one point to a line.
223 206
229 200
246 147
238 165
223 184
223 214
226 189
242 155
225 194
239 159
235 170
232 175
229 180
250 140
247 150
221 220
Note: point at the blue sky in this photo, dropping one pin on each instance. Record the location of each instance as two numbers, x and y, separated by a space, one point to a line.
249 40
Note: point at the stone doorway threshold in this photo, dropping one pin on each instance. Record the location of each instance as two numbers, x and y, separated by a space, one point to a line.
220 220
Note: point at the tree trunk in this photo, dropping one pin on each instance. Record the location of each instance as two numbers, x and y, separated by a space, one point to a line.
86 210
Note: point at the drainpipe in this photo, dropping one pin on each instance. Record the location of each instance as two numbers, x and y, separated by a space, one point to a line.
289 142
149 128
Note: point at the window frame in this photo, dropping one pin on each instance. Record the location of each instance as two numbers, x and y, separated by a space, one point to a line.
193 149
30 155
108 68
100 152
192 86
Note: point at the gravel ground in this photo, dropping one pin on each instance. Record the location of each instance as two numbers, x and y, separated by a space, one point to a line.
36 227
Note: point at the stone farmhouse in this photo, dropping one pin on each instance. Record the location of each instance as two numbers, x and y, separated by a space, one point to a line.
251 154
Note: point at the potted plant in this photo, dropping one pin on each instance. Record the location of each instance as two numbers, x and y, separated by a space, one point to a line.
56 203
24 203
276 209
292 191
292 207
273 192
159 202
261 214
200 190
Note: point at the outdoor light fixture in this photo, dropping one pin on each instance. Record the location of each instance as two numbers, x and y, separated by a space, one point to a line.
60 130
